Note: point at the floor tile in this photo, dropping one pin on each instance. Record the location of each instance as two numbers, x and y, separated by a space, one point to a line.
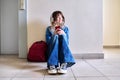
110 71
84 69
114 78
38 73
27 79
5 78
92 78
8 73
105 67
59 79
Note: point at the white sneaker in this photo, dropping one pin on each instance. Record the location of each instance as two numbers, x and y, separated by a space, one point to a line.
62 71
63 68
52 70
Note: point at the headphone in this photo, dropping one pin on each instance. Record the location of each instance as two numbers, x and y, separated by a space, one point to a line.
51 19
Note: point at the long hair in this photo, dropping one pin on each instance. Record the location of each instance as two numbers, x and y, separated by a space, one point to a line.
54 16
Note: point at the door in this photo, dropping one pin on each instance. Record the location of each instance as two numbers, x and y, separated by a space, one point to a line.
9 26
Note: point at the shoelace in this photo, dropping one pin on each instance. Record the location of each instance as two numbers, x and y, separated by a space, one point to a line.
63 66
52 67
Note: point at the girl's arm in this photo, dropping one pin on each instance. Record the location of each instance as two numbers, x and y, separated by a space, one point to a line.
48 35
66 30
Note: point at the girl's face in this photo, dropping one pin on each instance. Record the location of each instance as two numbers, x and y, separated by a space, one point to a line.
59 19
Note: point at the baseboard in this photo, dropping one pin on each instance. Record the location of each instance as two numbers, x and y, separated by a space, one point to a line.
9 53
89 56
111 46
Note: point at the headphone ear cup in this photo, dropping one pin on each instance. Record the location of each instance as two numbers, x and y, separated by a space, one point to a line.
51 19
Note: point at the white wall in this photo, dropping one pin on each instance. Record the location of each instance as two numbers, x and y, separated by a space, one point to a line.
111 25
9 26
84 18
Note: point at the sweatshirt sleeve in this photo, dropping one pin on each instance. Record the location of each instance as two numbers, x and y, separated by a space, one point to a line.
48 35
66 30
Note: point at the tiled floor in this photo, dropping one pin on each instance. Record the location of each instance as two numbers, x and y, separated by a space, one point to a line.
13 68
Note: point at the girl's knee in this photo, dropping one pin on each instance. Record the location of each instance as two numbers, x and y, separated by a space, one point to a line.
56 36
62 36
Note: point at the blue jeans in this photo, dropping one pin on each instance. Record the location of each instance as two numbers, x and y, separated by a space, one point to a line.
59 52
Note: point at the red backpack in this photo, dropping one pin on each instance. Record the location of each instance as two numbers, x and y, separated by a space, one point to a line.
37 52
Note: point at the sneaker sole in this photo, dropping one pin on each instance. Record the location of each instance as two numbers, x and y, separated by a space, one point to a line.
52 72
62 72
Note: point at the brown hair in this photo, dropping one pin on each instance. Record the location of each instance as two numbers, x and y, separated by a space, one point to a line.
54 16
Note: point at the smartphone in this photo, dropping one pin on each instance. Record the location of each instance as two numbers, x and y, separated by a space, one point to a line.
57 27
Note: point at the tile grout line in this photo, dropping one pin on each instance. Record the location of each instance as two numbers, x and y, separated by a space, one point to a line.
96 69
73 74
44 75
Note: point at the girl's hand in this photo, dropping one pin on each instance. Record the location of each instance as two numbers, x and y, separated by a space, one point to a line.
60 32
